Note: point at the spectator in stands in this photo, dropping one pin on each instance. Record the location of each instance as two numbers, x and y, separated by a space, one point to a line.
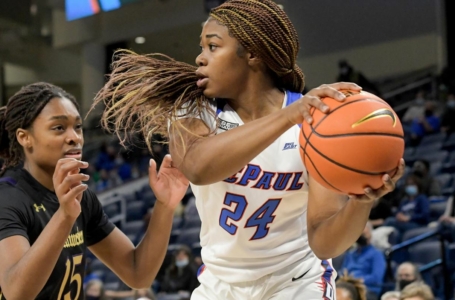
349 74
417 291
181 276
124 167
380 212
350 288
414 209
417 108
367 263
95 290
448 117
447 220
407 273
428 123
391 296
106 158
430 185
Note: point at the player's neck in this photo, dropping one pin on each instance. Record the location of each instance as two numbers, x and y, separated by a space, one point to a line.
257 101
40 175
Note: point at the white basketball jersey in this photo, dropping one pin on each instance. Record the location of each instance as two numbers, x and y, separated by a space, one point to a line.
254 222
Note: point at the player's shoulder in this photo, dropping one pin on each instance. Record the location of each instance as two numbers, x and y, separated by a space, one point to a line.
90 197
11 195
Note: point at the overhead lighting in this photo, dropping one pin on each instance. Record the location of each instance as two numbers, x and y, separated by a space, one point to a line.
140 40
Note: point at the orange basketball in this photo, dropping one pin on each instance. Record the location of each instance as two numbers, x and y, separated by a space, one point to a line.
354 145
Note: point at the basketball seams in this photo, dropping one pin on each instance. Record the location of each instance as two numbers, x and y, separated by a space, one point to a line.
357 134
341 106
317 171
306 137
347 167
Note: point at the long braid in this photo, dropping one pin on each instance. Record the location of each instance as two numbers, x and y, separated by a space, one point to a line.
145 92
20 112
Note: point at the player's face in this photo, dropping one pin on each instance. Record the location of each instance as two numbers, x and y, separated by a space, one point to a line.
56 133
223 66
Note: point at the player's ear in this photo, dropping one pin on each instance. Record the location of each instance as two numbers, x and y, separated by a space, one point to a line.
255 62
23 137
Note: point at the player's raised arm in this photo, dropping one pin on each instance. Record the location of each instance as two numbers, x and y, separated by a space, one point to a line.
138 266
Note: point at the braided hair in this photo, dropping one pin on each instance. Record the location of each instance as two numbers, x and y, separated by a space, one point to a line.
20 112
145 92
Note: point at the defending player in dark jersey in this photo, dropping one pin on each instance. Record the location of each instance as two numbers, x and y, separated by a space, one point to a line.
48 217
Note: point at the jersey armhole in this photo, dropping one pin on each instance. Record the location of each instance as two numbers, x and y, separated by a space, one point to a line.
292 97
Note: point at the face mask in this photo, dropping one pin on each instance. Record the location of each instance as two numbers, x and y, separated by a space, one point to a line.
403 283
411 190
181 263
428 113
362 241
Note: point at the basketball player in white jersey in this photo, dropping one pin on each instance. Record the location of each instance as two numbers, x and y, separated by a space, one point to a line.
268 229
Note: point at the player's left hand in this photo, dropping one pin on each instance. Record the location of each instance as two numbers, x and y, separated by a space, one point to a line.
313 97
169 184
389 185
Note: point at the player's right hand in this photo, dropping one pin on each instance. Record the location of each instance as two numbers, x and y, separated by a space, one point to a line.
68 185
299 111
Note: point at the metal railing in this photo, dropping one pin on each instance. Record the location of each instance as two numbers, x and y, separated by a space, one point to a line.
431 265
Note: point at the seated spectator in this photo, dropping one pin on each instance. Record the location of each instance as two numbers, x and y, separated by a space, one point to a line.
414 209
94 290
125 168
367 263
106 158
430 185
447 220
180 276
407 273
417 108
448 117
428 123
391 296
380 212
350 288
417 291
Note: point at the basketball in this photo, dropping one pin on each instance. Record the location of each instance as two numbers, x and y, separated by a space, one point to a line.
354 145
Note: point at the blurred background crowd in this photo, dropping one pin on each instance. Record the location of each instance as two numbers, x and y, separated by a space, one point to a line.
401 51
